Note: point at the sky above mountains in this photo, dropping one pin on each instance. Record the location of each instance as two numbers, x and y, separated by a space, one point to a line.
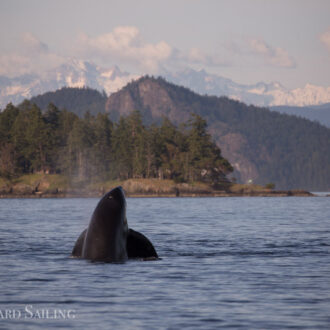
245 40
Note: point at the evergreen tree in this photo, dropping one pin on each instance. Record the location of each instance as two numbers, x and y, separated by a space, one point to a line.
8 155
137 139
102 147
205 160
122 149
80 142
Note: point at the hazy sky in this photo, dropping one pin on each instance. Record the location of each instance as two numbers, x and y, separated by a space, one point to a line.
244 40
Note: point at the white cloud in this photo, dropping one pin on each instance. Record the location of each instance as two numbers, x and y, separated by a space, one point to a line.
195 55
33 44
274 56
33 56
125 43
12 65
124 46
325 39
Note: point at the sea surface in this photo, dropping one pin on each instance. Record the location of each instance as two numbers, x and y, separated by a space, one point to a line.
249 262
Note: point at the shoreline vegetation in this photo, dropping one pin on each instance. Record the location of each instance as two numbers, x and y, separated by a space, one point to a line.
59 186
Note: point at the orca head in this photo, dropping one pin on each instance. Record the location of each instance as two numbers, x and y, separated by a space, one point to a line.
112 204
108 230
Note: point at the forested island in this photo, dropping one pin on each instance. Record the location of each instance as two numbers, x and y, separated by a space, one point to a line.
93 149
57 153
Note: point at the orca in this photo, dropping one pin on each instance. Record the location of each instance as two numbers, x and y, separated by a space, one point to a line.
108 238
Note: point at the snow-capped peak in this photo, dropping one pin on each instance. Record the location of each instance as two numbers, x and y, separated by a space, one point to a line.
261 94
78 73
73 73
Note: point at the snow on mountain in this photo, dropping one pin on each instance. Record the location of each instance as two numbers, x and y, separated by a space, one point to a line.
77 73
260 94
74 73
309 95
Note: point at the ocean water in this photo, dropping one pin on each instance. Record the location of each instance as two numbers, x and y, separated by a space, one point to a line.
252 263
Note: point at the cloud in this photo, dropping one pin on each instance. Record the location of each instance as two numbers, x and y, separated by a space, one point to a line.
195 55
274 56
33 44
32 57
125 43
12 65
325 39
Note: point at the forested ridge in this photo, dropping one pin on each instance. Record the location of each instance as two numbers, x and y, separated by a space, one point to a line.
95 148
76 100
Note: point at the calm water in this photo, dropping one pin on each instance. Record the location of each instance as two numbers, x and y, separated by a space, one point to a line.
257 263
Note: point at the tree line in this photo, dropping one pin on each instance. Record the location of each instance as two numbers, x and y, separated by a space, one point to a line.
95 148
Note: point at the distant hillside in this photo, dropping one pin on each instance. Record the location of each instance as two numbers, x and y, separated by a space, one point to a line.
320 113
262 145
77 100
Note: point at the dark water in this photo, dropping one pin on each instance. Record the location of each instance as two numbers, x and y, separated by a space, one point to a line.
256 263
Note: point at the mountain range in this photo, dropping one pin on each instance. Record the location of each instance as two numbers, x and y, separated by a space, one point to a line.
77 73
74 73
260 94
